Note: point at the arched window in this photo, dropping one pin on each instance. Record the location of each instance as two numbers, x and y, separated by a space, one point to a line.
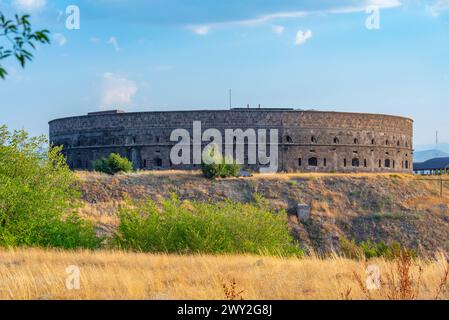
355 162
313 162
344 163
406 164
356 141
398 143
365 163
387 163
288 139
380 163
373 141
336 141
144 163
134 140
313 139
387 142
325 162
299 162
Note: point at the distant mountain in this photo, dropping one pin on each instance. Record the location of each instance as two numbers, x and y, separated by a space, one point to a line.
425 147
421 156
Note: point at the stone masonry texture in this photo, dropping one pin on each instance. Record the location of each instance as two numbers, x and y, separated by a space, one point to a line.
309 141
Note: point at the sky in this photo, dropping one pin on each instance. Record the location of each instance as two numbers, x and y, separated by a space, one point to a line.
376 56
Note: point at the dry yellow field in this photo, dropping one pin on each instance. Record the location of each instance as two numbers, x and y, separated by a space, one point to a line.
42 274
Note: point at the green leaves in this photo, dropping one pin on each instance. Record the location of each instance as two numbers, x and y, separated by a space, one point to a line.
113 164
38 196
197 227
221 167
20 36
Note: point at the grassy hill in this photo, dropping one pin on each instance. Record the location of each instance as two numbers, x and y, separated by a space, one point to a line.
374 207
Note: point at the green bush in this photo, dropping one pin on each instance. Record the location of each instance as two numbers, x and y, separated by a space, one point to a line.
219 166
196 227
113 164
37 196
349 249
368 249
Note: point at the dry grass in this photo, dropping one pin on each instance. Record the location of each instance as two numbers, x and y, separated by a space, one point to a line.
39 274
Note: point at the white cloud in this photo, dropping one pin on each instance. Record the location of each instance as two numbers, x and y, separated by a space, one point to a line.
201 30
437 7
279 30
60 39
114 42
381 4
29 5
303 36
274 16
118 91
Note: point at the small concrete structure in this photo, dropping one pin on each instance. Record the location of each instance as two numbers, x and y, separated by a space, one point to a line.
303 212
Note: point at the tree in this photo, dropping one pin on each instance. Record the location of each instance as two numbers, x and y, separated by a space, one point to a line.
39 196
20 37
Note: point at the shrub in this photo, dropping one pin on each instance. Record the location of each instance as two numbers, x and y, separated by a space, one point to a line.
350 249
113 164
368 249
219 166
196 227
37 196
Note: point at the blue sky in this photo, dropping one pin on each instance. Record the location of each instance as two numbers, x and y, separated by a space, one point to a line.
186 54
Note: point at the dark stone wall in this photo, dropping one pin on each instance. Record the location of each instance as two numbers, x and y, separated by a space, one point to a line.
334 141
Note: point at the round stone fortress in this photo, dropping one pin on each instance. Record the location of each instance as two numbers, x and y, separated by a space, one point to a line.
308 141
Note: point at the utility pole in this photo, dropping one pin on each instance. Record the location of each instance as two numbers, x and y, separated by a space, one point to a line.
436 138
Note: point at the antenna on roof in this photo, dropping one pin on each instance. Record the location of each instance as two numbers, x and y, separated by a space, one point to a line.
230 98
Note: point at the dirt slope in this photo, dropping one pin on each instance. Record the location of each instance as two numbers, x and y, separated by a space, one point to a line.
361 207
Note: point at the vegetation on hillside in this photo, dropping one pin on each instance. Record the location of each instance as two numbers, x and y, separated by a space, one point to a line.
37 196
215 165
201 227
364 207
369 250
113 164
